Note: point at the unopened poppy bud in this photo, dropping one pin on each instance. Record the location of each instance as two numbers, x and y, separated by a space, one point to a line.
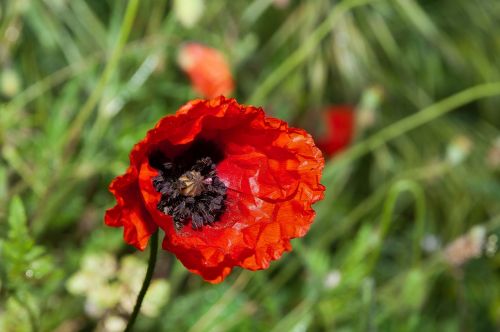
338 131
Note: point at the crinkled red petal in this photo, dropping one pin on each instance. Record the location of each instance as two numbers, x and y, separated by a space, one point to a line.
272 173
130 211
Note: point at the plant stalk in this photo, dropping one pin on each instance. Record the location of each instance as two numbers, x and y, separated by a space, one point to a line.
147 280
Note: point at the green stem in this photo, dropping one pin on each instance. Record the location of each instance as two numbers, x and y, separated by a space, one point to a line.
396 191
146 282
387 217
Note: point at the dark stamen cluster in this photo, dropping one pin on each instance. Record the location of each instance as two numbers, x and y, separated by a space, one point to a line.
189 192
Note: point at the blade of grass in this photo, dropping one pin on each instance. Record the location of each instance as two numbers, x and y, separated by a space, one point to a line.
297 57
86 110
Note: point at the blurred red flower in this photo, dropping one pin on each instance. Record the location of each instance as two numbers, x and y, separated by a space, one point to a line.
228 186
207 68
340 123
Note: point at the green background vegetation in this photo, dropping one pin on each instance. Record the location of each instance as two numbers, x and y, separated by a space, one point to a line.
82 81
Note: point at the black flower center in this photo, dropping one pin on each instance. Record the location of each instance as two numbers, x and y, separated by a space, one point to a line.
189 186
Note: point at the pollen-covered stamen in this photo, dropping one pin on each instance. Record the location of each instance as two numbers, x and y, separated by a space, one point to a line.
191 190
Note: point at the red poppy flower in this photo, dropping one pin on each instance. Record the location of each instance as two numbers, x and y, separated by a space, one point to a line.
208 70
339 129
228 186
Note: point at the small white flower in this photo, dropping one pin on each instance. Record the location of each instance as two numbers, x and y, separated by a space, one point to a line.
332 279
430 243
114 324
188 12
459 149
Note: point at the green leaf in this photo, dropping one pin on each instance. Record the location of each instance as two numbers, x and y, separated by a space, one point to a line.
17 219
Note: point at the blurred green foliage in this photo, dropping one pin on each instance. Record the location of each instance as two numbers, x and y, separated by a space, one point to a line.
82 81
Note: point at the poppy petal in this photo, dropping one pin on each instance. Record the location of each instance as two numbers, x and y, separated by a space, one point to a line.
271 173
129 212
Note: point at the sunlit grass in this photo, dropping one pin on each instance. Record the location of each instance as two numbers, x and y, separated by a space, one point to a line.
82 81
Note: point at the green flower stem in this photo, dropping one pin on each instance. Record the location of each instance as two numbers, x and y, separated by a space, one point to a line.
147 280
